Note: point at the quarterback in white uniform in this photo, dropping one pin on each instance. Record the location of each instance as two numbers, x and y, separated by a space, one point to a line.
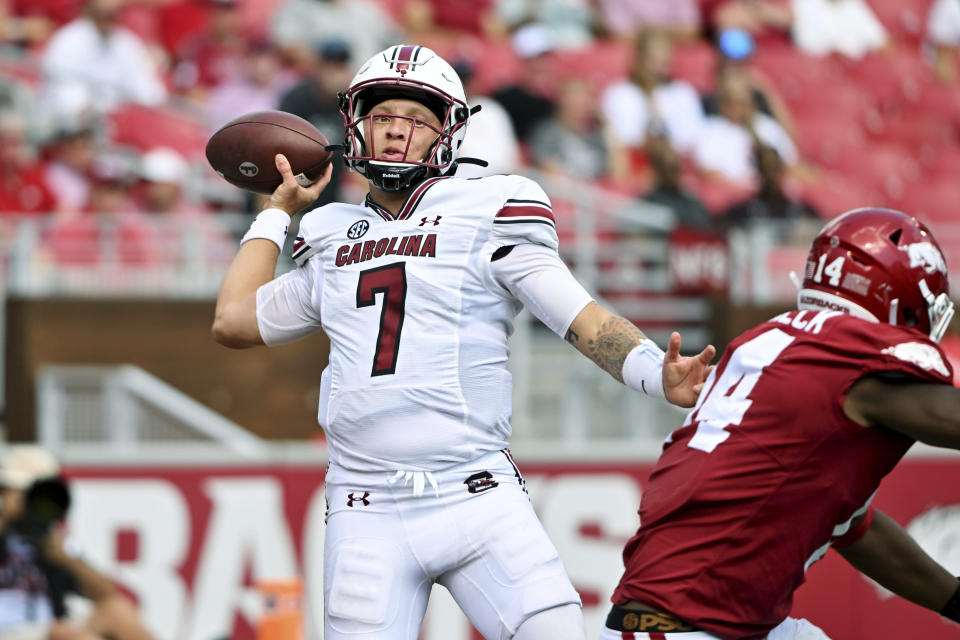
417 288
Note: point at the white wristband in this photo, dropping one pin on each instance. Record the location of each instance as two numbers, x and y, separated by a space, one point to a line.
643 369
270 224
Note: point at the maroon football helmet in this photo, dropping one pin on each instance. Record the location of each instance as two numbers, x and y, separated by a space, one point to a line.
882 265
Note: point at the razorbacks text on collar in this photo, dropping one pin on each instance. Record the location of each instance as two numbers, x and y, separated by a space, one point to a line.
419 246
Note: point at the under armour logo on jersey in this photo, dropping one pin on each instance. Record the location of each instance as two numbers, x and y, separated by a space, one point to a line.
357 229
351 499
424 221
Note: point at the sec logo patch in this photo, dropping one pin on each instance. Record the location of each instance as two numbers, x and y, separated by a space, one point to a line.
357 229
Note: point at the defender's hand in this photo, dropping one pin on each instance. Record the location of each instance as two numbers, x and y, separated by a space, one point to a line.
290 196
683 376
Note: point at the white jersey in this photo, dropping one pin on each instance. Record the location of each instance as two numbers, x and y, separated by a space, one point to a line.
417 322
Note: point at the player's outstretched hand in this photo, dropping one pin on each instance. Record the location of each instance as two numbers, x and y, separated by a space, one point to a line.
290 195
683 376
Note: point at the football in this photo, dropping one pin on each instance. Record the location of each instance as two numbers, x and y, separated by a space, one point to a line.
242 151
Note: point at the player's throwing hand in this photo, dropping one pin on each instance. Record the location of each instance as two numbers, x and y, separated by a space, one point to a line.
683 376
290 196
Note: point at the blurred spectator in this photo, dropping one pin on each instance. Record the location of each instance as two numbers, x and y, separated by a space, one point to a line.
22 187
847 27
678 19
572 142
164 175
424 19
770 202
55 12
765 20
725 145
650 98
111 229
258 87
667 189
183 229
943 33
213 54
37 571
93 63
735 49
571 23
490 135
315 99
300 26
529 100
112 176
19 25
70 155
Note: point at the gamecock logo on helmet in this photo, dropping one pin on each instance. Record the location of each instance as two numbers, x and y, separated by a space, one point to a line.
925 255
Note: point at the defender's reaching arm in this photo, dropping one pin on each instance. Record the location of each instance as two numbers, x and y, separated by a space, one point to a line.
926 412
887 554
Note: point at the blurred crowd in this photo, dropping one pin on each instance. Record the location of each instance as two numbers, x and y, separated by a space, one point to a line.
723 111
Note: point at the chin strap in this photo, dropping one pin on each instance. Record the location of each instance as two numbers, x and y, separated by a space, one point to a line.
476 161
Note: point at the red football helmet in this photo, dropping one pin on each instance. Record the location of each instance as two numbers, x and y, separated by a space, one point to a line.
882 265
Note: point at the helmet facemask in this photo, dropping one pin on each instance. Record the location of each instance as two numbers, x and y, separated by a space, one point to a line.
940 310
401 174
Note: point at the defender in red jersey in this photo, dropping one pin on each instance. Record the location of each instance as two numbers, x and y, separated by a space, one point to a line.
789 440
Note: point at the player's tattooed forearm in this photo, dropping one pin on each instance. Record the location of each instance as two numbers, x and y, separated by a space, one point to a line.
616 338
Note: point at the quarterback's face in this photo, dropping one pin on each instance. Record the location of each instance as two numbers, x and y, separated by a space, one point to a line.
401 130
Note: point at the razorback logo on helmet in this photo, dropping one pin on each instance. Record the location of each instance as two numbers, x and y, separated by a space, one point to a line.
924 356
926 256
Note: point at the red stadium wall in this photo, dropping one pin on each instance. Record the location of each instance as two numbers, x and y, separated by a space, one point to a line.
190 542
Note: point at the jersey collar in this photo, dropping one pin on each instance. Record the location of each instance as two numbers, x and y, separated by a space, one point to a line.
411 204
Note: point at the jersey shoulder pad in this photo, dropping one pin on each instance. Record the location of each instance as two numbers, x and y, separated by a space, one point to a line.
314 225
886 348
524 213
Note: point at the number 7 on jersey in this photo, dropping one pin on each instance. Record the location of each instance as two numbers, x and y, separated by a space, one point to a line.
391 281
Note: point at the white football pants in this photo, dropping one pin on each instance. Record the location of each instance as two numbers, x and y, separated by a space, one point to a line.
472 530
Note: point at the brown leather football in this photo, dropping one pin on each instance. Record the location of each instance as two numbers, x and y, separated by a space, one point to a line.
243 150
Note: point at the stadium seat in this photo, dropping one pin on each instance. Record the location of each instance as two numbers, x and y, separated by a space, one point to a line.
827 139
601 63
795 74
905 20
495 65
717 196
843 102
888 76
934 200
890 168
696 63
145 128
833 193
913 129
